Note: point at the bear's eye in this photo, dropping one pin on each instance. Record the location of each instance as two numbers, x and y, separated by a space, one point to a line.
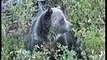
62 21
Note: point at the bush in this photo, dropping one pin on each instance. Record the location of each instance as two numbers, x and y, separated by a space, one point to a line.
87 17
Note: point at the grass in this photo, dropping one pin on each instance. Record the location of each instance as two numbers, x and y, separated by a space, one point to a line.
85 15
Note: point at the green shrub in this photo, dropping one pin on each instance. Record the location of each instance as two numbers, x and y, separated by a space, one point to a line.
87 17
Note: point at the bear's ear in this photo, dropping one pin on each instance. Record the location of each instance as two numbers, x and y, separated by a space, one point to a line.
59 7
48 12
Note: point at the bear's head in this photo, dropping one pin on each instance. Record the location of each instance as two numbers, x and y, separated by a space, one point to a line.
54 20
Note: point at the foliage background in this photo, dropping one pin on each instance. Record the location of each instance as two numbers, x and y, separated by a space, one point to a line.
87 17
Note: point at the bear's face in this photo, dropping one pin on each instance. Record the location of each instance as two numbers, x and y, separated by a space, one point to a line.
59 22
53 20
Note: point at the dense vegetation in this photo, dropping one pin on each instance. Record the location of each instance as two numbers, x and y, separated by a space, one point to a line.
86 16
